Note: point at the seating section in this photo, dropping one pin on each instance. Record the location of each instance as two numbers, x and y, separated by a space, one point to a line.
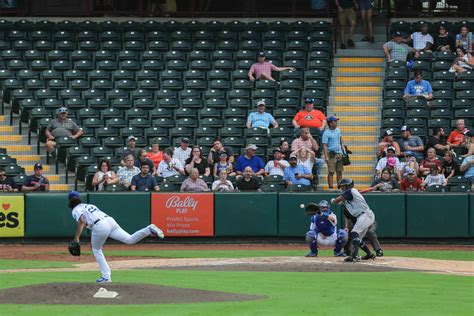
158 80
12 169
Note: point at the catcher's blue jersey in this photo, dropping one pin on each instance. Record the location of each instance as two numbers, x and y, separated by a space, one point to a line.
321 224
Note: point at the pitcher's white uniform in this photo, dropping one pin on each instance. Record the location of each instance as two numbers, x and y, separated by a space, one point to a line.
358 207
102 227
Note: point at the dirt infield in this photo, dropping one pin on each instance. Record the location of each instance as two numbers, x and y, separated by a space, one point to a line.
82 293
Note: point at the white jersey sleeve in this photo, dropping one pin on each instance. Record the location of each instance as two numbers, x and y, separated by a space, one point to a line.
89 212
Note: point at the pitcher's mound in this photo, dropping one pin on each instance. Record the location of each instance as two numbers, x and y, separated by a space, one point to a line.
82 293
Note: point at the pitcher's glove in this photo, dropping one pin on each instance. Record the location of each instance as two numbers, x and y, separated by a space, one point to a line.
74 248
311 209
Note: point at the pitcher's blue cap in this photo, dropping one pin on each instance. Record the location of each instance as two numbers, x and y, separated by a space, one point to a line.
73 194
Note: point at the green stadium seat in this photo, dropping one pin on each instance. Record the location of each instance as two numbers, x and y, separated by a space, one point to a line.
441 65
393 112
293 84
462 103
226 35
467 113
273 44
242 84
284 112
203 65
441 103
192 103
416 103
416 122
216 103
225 65
244 64
202 34
278 26
195 74
205 132
211 122
266 84
465 94
418 113
444 56
210 113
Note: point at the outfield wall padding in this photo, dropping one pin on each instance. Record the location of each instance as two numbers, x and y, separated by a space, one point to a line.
390 213
471 215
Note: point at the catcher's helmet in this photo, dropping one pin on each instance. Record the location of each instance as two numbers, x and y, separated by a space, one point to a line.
346 183
324 203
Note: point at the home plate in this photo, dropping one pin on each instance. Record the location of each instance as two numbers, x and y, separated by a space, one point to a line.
103 293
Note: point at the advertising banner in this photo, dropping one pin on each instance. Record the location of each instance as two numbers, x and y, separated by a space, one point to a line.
12 216
183 214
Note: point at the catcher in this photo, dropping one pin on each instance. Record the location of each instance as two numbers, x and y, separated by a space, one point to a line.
323 230
102 227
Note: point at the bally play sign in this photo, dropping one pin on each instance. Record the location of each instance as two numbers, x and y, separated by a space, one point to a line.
183 214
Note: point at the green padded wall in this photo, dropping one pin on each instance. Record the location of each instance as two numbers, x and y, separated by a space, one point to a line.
390 213
292 221
245 214
48 215
131 210
471 215
437 215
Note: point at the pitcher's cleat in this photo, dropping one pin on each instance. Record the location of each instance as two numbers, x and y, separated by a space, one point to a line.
311 254
155 231
103 280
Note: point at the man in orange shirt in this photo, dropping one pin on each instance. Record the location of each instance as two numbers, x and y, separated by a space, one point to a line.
309 117
456 137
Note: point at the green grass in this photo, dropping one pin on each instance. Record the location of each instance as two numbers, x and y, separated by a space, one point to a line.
8 264
287 293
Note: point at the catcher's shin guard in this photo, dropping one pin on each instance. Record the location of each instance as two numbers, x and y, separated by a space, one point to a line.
311 240
341 240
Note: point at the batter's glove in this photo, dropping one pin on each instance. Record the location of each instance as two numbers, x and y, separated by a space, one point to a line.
74 248
311 209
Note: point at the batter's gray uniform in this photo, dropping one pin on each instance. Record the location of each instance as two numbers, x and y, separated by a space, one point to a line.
358 208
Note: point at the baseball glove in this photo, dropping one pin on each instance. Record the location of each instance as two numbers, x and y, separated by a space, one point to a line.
311 209
74 248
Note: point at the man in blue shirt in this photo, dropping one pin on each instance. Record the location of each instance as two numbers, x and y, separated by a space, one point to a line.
418 88
261 118
411 143
250 160
467 167
332 151
297 173
144 181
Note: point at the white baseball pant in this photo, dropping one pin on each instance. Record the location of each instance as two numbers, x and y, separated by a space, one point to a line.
328 241
364 221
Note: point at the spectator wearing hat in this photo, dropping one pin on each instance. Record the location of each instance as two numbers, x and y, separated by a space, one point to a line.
223 164
386 142
36 182
196 161
261 119
144 181
169 166
155 155
193 183
411 143
7 184
262 70
431 160
418 88
443 41
346 11
332 150
438 141
309 117
410 164
248 159
143 158
391 162
277 165
450 167
61 126
248 182
216 150
296 173
127 172
222 184
434 178
411 183
386 183
422 41
396 49
130 150
183 152
456 137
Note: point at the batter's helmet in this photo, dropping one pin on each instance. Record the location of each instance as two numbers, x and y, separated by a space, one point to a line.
346 183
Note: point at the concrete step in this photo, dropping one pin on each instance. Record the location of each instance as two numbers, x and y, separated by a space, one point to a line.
61 187
376 51
361 110
342 79
18 148
358 92
355 99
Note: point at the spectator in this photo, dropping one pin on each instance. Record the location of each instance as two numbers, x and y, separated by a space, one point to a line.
307 140
143 158
450 167
390 161
418 88
434 178
216 150
262 70
396 49
305 157
469 143
443 41
250 160
196 161
456 137
61 126
431 160
411 143
463 62
127 172
422 41
193 183
410 164
222 184
464 39
155 155
332 150
183 152
438 141
366 8
224 164
104 176
130 150
144 181
261 119
7 184
411 183
169 166
277 165
346 12
386 183
467 167
285 149
36 182
386 142
297 174
309 117
248 182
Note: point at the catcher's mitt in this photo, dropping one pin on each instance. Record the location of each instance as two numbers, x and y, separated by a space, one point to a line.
311 209
74 248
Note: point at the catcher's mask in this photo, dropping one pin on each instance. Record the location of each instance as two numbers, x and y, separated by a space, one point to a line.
324 206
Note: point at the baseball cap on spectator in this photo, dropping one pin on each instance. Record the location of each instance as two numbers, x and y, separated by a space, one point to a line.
223 154
405 128
261 103
332 119
391 148
409 170
62 109
251 146
293 156
388 132
397 34
408 153
38 166
261 54
469 133
131 137
185 140
277 150
391 161
73 194
308 100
